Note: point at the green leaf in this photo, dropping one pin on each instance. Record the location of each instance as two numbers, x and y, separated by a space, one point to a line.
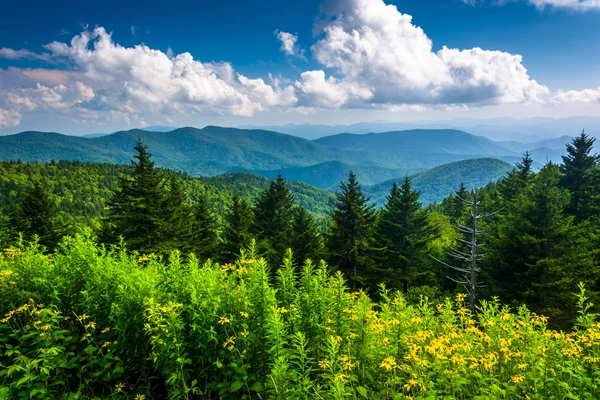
362 391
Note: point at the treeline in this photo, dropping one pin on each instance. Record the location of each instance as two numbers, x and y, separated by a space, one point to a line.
540 244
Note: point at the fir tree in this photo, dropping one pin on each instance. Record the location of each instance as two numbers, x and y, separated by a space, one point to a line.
237 223
135 211
405 232
273 213
307 242
454 206
177 223
205 236
536 254
579 169
36 216
350 239
518 180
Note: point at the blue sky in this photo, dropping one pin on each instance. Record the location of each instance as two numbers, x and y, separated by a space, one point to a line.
346 61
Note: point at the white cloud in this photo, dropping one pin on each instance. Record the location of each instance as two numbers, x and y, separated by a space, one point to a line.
12 54
372 44
578 96
288 44
155 82
578 5
581 5
132 30
373 57
329 93
9 118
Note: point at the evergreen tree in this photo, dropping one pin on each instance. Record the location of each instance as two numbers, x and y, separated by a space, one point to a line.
135 211
37 216
307 242
405 232
579 169
536 254
237 224
177 222
518 180
273 215
205 236
350 239
454 206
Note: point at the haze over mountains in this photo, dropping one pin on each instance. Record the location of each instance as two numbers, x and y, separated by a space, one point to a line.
500 129
437 159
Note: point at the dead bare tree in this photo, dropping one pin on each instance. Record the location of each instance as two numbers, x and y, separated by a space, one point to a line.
470 253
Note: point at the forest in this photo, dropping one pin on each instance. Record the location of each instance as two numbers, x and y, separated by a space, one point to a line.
142 282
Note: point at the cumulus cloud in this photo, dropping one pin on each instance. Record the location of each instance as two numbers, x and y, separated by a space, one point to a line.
329 93
288 44
374 55
9 118
372 43
578 96
158 82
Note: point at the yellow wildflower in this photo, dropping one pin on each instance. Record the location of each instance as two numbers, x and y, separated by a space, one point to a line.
388 363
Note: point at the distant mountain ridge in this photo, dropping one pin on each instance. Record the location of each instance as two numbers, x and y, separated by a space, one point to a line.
437 183
323 163
418 140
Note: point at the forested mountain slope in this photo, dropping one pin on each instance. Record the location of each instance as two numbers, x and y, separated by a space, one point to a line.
439 182
81 190
214 150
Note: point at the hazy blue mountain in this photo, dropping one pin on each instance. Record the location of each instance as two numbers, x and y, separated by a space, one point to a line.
558 143
329 174
208 151
418 140
153 128
159 128
502 129
437 183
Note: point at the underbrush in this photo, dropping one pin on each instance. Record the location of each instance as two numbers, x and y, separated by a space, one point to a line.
87 322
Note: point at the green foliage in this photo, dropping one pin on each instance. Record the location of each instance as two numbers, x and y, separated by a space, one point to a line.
437 183
580 174
350 238
306 239
238 221
89 323
273 219
404 232
204 237
137 209
35 217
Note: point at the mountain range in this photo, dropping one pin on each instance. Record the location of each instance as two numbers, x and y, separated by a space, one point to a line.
376 158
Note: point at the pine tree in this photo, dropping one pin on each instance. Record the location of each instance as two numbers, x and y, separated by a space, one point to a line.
135 211
273 212
579 169
37 216
536 254
350 239
306 241
405 232
237 223
205 236
454 206
518 180
177 223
